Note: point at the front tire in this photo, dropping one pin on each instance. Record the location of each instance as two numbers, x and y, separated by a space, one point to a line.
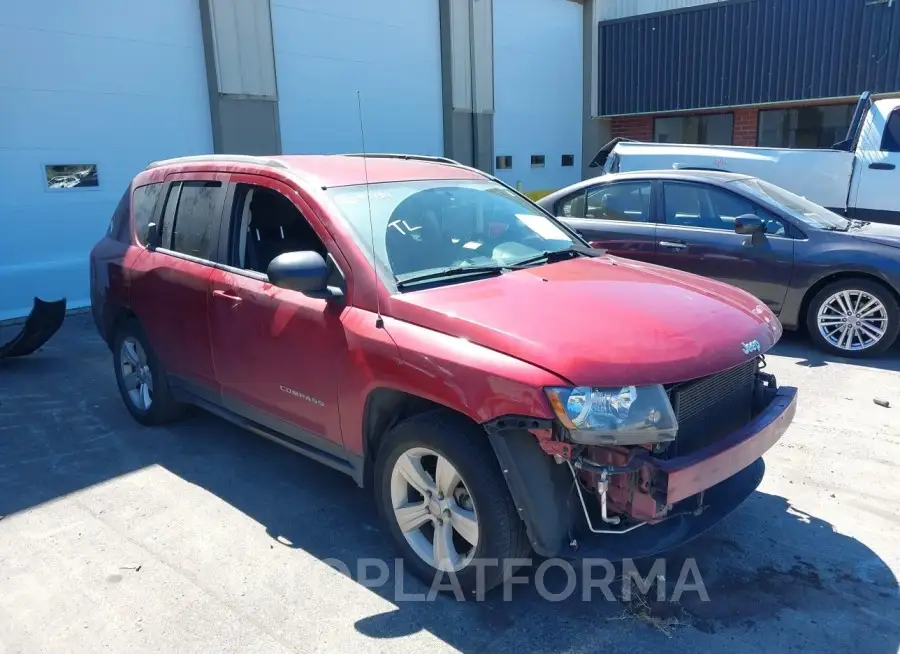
853 318
141 378
445 502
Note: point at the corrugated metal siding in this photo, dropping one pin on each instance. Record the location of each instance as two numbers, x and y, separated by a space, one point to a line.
613 9
242 40
748 52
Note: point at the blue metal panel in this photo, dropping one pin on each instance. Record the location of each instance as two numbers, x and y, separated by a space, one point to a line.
112 83
744 52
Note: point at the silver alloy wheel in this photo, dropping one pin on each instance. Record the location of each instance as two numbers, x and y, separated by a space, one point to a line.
136 375
852 320
434 510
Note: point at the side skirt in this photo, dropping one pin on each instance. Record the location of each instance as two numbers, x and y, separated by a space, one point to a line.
274 429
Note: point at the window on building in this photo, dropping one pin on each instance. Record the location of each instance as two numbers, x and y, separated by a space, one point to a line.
537 161
707 129
891 140
804 127
144 202
504 162
568 160
195 226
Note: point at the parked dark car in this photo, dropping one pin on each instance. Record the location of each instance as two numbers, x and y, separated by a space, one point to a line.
838 278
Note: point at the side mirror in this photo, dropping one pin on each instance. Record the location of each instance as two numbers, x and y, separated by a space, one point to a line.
305 272
749 224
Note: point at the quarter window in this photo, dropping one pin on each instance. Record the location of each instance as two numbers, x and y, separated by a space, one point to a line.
627 201
197 213
144 202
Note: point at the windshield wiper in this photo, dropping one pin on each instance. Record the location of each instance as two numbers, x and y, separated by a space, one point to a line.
448 273
857 224
552 256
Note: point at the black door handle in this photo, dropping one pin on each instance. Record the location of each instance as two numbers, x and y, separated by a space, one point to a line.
880 165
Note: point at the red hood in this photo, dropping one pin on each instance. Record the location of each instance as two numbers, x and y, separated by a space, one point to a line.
604 321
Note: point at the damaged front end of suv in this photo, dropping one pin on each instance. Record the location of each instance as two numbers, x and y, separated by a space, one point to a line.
642 469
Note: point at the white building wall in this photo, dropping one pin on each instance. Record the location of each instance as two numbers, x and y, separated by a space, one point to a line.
612 9
108 82
390 51
538 89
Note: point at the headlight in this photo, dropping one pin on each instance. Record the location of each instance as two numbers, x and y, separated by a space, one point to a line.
628 415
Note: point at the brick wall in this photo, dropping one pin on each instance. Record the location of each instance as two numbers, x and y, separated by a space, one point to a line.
746 122
639 128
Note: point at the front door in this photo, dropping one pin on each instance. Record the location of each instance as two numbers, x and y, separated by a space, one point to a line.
275 350
615 217
170 284
877 173
696 234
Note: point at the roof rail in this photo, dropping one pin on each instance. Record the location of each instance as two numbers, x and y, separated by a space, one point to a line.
222 158
410 157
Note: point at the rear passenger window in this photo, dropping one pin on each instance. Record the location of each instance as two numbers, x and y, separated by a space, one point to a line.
144 202
627 201
572 206
891 140
194 228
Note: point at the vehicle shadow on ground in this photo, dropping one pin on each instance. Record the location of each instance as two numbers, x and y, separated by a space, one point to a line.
760 567
767 569
796 345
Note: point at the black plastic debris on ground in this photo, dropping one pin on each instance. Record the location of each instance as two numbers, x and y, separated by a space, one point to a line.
42 323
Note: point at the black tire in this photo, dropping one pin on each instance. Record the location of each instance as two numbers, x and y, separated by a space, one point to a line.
465 445
887 298
163 407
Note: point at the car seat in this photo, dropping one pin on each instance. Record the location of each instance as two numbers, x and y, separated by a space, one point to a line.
276 227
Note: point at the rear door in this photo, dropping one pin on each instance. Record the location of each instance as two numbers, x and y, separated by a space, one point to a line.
170 284
696 234
615 216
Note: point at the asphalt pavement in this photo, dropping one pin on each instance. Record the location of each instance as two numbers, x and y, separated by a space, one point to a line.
204 538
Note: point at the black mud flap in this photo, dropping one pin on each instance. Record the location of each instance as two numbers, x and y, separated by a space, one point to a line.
43 322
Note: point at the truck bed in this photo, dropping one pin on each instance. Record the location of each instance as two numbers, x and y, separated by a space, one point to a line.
822 176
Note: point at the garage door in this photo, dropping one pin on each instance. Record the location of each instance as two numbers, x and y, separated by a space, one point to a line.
389 51
538 92
97 90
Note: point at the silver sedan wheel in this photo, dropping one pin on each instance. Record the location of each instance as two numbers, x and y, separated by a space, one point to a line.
852 320
434 510
136 375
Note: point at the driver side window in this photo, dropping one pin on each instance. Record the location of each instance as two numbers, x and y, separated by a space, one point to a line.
696 205
266 224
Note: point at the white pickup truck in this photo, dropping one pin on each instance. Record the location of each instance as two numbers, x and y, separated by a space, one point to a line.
858 177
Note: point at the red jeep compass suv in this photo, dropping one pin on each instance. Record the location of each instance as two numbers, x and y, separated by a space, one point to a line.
498 385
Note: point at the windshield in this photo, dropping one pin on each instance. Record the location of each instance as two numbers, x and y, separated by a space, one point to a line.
423 227
800 208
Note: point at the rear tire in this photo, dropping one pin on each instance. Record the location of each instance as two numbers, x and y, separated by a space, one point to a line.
444 445
141 378
853 318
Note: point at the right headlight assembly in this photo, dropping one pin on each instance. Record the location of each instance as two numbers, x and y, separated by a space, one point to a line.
624 415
